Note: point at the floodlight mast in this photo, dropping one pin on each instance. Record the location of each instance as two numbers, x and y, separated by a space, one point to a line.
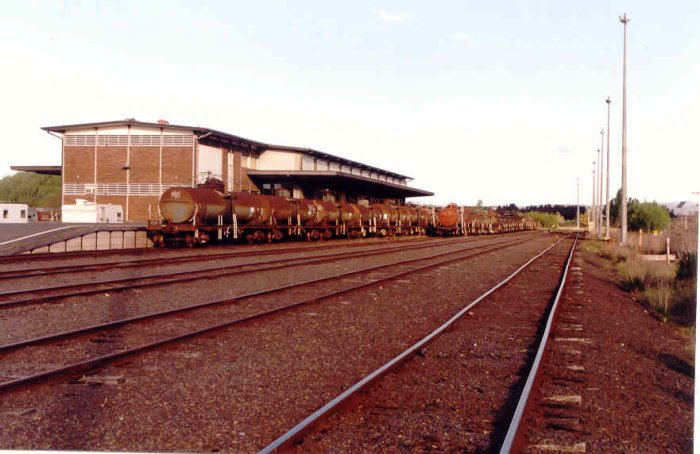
600 186
578 206
623 204
591 213
607 181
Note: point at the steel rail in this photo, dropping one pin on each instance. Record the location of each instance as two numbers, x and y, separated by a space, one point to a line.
88 288
153 315
287 439
169 260
513 428
17 258
89 364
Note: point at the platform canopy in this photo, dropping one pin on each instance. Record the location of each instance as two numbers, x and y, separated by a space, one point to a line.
356 184
42 170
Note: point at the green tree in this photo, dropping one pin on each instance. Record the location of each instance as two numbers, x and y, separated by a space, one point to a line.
647 216
615 207
35 190
546 220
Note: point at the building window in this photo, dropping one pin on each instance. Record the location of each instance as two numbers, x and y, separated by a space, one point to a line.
5 214
307 163
335 166
23 214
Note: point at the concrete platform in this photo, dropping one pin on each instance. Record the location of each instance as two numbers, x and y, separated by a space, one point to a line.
60 237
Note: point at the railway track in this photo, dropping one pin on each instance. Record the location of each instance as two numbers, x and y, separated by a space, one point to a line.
306 436
131 336
42 293
162 257
513 441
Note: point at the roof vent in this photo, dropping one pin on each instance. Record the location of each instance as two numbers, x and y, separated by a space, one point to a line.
163 122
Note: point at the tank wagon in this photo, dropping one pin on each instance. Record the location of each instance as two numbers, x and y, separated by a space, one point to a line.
204 214
459 220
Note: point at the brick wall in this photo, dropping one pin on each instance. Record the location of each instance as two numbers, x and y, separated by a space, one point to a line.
110 164
177 165
138 208
79 165
144 163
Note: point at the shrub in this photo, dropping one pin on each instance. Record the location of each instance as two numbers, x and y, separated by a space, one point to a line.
546 220
634 274
659 297
687 266
647 216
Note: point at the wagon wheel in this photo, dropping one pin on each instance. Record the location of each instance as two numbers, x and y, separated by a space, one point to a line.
158 240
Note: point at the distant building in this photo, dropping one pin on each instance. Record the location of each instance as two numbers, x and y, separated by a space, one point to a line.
130 163
93 213
14 213
684 208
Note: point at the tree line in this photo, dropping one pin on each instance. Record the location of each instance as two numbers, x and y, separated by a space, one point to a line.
568 212
645 216
41 191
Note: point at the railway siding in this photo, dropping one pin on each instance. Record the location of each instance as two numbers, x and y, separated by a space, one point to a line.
459 393
615 379
271 372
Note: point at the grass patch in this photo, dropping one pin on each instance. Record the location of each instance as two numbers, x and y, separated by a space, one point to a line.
669 290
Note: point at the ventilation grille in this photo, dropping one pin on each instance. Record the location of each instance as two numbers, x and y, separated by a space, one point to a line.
169 140
134 189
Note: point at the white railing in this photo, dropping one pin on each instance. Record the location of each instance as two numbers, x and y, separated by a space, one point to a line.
134 189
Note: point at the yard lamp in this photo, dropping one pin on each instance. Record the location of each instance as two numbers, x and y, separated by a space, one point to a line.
607 181
623 204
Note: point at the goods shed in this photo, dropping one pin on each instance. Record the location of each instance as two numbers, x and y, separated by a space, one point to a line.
131 163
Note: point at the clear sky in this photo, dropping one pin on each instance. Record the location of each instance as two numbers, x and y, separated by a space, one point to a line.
492 100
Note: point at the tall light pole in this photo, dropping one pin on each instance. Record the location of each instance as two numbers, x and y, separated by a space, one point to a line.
592 211
623 204
600 186
607 181
578 204
597 194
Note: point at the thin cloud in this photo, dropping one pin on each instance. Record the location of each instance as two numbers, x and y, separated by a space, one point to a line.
386 16
464 37
563 149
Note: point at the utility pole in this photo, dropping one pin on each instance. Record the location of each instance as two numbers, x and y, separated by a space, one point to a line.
597 195
600 186
623 205
607 181
592 210
578 204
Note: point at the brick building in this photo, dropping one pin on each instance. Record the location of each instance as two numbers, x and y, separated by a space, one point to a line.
131 163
